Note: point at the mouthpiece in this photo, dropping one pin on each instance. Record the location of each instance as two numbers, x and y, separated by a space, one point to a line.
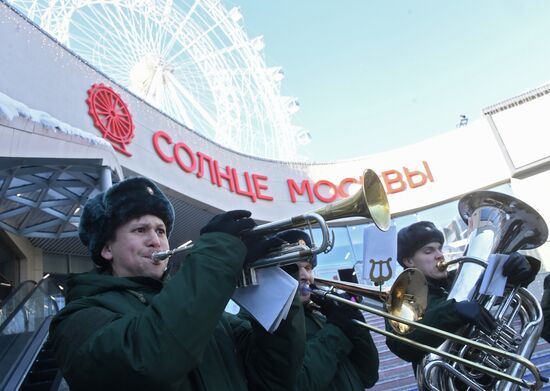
162 255
305 288
442 265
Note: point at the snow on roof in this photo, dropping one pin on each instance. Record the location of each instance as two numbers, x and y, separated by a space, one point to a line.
10 109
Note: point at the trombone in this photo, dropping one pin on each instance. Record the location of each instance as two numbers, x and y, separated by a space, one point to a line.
405 304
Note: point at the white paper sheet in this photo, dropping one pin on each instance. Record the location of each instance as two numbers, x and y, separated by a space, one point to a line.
270 300
494 282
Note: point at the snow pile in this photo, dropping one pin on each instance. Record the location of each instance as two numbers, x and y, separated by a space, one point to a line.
10 109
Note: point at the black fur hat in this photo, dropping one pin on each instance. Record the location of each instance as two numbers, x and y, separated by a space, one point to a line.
412 238
294 236
124 201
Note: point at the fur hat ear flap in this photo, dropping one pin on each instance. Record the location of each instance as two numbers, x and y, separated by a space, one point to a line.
124 201
412 238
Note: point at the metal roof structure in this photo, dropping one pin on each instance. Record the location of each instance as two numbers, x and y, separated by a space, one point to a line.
42 201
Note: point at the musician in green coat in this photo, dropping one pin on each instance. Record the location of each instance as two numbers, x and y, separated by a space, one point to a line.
340 355
420 246
126 328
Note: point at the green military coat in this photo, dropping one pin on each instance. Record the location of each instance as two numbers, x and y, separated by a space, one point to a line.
138 333
333 361
545 304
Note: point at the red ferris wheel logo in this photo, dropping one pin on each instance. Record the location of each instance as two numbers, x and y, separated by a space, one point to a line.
111 116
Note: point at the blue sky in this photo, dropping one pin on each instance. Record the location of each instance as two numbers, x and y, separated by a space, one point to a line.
375 75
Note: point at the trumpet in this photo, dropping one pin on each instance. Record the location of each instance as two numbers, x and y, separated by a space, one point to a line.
370 202
405 304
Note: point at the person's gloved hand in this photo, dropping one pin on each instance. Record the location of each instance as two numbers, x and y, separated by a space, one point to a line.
518 269
472 312
259 245
233 222
340 315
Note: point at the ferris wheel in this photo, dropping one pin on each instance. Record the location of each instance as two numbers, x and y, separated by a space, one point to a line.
190 59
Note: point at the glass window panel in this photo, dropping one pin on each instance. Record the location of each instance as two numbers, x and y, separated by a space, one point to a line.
356 235
342 252
340 257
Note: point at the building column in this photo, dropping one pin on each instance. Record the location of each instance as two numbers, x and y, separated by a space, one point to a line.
30 258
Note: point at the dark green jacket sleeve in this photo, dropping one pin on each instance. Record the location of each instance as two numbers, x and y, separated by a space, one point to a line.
441 314
324 351
365 358
160 344
545 304
333 361
272 361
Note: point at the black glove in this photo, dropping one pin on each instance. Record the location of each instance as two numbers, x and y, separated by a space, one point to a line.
233 222
518 269
340 315
472 312
259 245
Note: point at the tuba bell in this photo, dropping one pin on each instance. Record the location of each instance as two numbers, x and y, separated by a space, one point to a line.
498 223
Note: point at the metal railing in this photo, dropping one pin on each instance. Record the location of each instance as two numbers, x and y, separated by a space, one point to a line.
24 329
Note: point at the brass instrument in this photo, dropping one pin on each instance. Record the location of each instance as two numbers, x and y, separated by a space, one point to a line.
407 298
498 223
369 202
405 304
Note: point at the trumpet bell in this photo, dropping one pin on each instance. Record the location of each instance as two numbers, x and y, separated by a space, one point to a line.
370 202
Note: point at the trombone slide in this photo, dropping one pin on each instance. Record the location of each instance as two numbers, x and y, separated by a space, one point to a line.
535 385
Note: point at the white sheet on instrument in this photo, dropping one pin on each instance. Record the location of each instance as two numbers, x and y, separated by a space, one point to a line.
270 300
494 282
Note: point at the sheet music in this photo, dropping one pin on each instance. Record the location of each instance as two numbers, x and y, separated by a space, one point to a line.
494 282
270 300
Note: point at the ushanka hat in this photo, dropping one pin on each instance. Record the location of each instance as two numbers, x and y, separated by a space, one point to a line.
296 236
124 201
416 236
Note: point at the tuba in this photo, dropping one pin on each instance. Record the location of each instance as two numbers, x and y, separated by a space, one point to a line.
498 223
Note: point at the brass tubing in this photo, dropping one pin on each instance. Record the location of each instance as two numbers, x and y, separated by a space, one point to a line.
514 357
442 265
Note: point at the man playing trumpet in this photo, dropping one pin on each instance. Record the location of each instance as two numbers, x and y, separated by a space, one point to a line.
126 328
420 246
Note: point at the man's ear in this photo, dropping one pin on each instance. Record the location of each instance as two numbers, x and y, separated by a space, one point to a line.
106 252
408 262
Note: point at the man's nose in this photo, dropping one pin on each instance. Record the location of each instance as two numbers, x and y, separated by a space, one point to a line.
153 239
